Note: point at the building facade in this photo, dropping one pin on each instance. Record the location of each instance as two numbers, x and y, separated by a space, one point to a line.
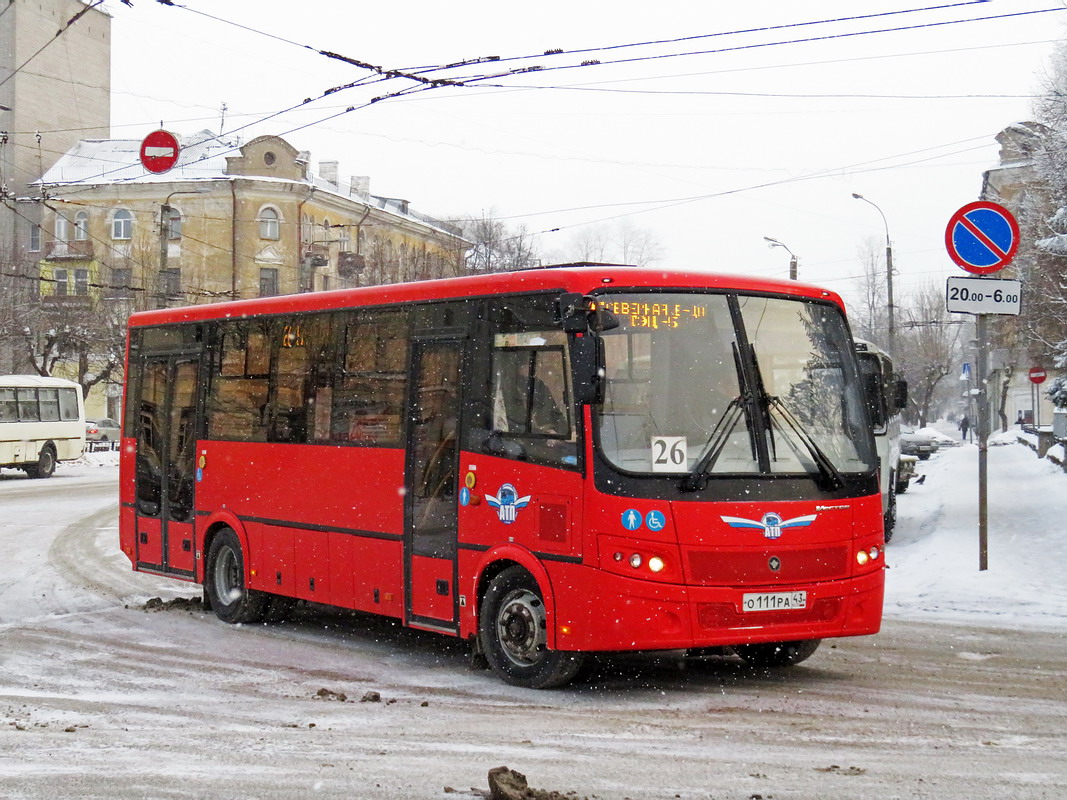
1020 343
54 90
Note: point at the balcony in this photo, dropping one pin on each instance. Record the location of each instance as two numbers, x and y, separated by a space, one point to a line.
71 301
73 251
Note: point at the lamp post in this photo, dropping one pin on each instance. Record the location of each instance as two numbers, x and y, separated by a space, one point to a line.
792 256
888 274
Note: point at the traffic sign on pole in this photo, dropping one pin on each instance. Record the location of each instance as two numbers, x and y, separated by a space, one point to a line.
1037 375
983 296
982 237
159 151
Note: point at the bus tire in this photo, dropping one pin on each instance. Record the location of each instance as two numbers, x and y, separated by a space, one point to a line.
777 654
890 520
46 463
224 582
513 633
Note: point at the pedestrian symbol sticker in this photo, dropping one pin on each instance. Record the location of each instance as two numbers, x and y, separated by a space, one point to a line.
631 519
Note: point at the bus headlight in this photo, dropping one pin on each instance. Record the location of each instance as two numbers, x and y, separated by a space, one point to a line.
655 564
635 560
862 557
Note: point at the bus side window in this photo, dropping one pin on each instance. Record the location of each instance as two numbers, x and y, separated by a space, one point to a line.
68 404
238 397
530 408
9 411
369 393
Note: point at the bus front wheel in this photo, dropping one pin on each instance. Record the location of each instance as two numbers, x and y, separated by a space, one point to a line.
224 582
513 633
46 464
777 654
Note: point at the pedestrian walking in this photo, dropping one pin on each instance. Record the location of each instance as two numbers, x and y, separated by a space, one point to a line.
965 425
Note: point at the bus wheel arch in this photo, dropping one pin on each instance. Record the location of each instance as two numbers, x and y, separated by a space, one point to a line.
226 579
513 632
46 462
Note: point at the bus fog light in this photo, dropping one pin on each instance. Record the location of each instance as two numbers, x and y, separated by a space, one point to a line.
635 560
862 557
656 564
617 556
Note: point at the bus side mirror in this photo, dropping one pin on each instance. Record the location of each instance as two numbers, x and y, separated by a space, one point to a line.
587 361
900 395
581 313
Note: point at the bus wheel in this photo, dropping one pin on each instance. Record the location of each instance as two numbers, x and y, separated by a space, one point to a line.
777 654
46 464
513 631
224 582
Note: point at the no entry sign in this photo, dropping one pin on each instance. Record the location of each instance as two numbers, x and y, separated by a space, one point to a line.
982 237
1037 375
159 151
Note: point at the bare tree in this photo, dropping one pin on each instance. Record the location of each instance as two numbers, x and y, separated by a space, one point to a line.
870 319
496 247
928 349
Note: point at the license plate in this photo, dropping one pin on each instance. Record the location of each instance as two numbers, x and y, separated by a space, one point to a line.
773 601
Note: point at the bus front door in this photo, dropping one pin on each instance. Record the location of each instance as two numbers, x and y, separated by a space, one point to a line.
165 473
430 512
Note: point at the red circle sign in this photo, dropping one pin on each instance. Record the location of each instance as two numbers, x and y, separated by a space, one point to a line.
1037 375
159 151
982 237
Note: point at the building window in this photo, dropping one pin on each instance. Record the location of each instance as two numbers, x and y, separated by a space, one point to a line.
81 226
60 278
345 240
81 282
269 227
122 225
35 238
62 228
268 281
120 282
174 223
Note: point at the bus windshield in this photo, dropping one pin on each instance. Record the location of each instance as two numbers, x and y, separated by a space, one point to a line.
706 384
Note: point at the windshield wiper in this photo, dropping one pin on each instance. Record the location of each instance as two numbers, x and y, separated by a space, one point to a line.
830 476
698 477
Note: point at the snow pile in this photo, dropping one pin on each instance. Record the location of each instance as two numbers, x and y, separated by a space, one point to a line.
934 555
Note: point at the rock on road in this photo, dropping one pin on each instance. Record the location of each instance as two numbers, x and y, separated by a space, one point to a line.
101 698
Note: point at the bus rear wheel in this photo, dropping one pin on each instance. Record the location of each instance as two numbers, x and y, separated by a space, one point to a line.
513 633
224 582
777 654
46 464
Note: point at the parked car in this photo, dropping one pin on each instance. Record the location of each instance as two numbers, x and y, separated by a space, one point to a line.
913 443
102 430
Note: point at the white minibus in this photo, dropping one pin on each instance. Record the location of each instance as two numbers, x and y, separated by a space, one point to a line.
42 422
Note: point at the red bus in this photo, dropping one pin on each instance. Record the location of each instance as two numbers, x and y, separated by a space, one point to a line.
547 463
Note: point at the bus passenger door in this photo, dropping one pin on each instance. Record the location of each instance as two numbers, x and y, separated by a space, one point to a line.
430 512
165 473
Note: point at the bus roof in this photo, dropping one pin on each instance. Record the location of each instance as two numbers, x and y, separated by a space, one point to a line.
35 381
567 278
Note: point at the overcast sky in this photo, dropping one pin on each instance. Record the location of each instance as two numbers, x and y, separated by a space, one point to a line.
749 135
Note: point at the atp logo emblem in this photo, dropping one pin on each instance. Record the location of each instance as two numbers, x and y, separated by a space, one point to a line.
771 523
507 503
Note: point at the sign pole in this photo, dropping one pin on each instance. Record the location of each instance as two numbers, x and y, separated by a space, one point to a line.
982 238
982 423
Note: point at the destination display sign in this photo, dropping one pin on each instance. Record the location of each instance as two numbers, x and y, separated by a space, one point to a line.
653 315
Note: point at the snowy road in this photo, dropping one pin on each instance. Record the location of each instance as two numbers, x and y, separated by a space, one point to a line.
100 698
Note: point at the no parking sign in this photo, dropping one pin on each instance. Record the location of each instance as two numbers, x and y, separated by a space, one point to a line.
982 237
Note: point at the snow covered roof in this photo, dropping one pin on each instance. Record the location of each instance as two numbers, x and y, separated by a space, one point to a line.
96 161
203 156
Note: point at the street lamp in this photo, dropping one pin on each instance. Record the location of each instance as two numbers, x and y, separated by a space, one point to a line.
888 274
792 256
165 211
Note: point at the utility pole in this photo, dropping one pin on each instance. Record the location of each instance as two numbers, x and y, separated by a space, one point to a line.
888 276
792 256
